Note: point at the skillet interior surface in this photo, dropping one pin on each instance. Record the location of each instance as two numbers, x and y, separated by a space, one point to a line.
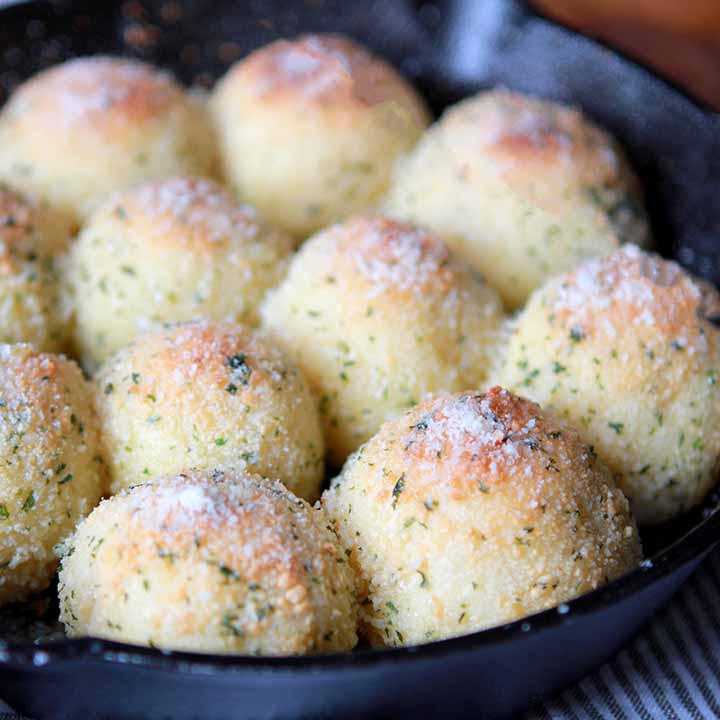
449 49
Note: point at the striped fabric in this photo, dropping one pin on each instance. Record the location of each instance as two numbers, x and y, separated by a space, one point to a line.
6 713
671 671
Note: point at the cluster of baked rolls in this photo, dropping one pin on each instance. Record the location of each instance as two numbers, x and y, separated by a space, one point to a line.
297 276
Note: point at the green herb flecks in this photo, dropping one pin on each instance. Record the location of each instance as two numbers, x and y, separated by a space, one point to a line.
229 623
29 503
577 334
228 572
241 371
397 489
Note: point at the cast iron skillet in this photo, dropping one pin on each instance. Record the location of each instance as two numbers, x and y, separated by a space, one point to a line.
450 49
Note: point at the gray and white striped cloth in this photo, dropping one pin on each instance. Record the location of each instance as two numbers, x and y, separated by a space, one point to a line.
671 671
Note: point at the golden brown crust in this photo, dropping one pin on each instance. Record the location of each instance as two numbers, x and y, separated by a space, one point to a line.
52 473
76 133
531 130
182 523
28 230
631 288
377 314
547 151
390 258
326 70
169 250
624 348
101 93
522 188
191 213
475 509
228 562
16 223
204 394
311 129
33 240
493 435
210 350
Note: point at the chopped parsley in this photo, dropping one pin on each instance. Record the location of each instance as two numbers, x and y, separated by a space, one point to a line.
397 490
29 503
241 371
228 572
411 521
228 622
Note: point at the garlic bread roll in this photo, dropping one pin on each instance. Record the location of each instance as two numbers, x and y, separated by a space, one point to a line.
204 394
33 242
77 132
310 129
166 251
215 561
53 474
473 510
377 314
521 188
623 348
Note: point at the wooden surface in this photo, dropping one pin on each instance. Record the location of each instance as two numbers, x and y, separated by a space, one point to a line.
680 38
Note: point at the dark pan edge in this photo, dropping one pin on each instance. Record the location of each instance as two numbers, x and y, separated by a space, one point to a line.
689 548
625 56
692 546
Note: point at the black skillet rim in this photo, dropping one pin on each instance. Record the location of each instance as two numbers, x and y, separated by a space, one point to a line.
695 543
691 547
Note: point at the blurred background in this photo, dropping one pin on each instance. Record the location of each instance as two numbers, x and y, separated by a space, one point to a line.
680 38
